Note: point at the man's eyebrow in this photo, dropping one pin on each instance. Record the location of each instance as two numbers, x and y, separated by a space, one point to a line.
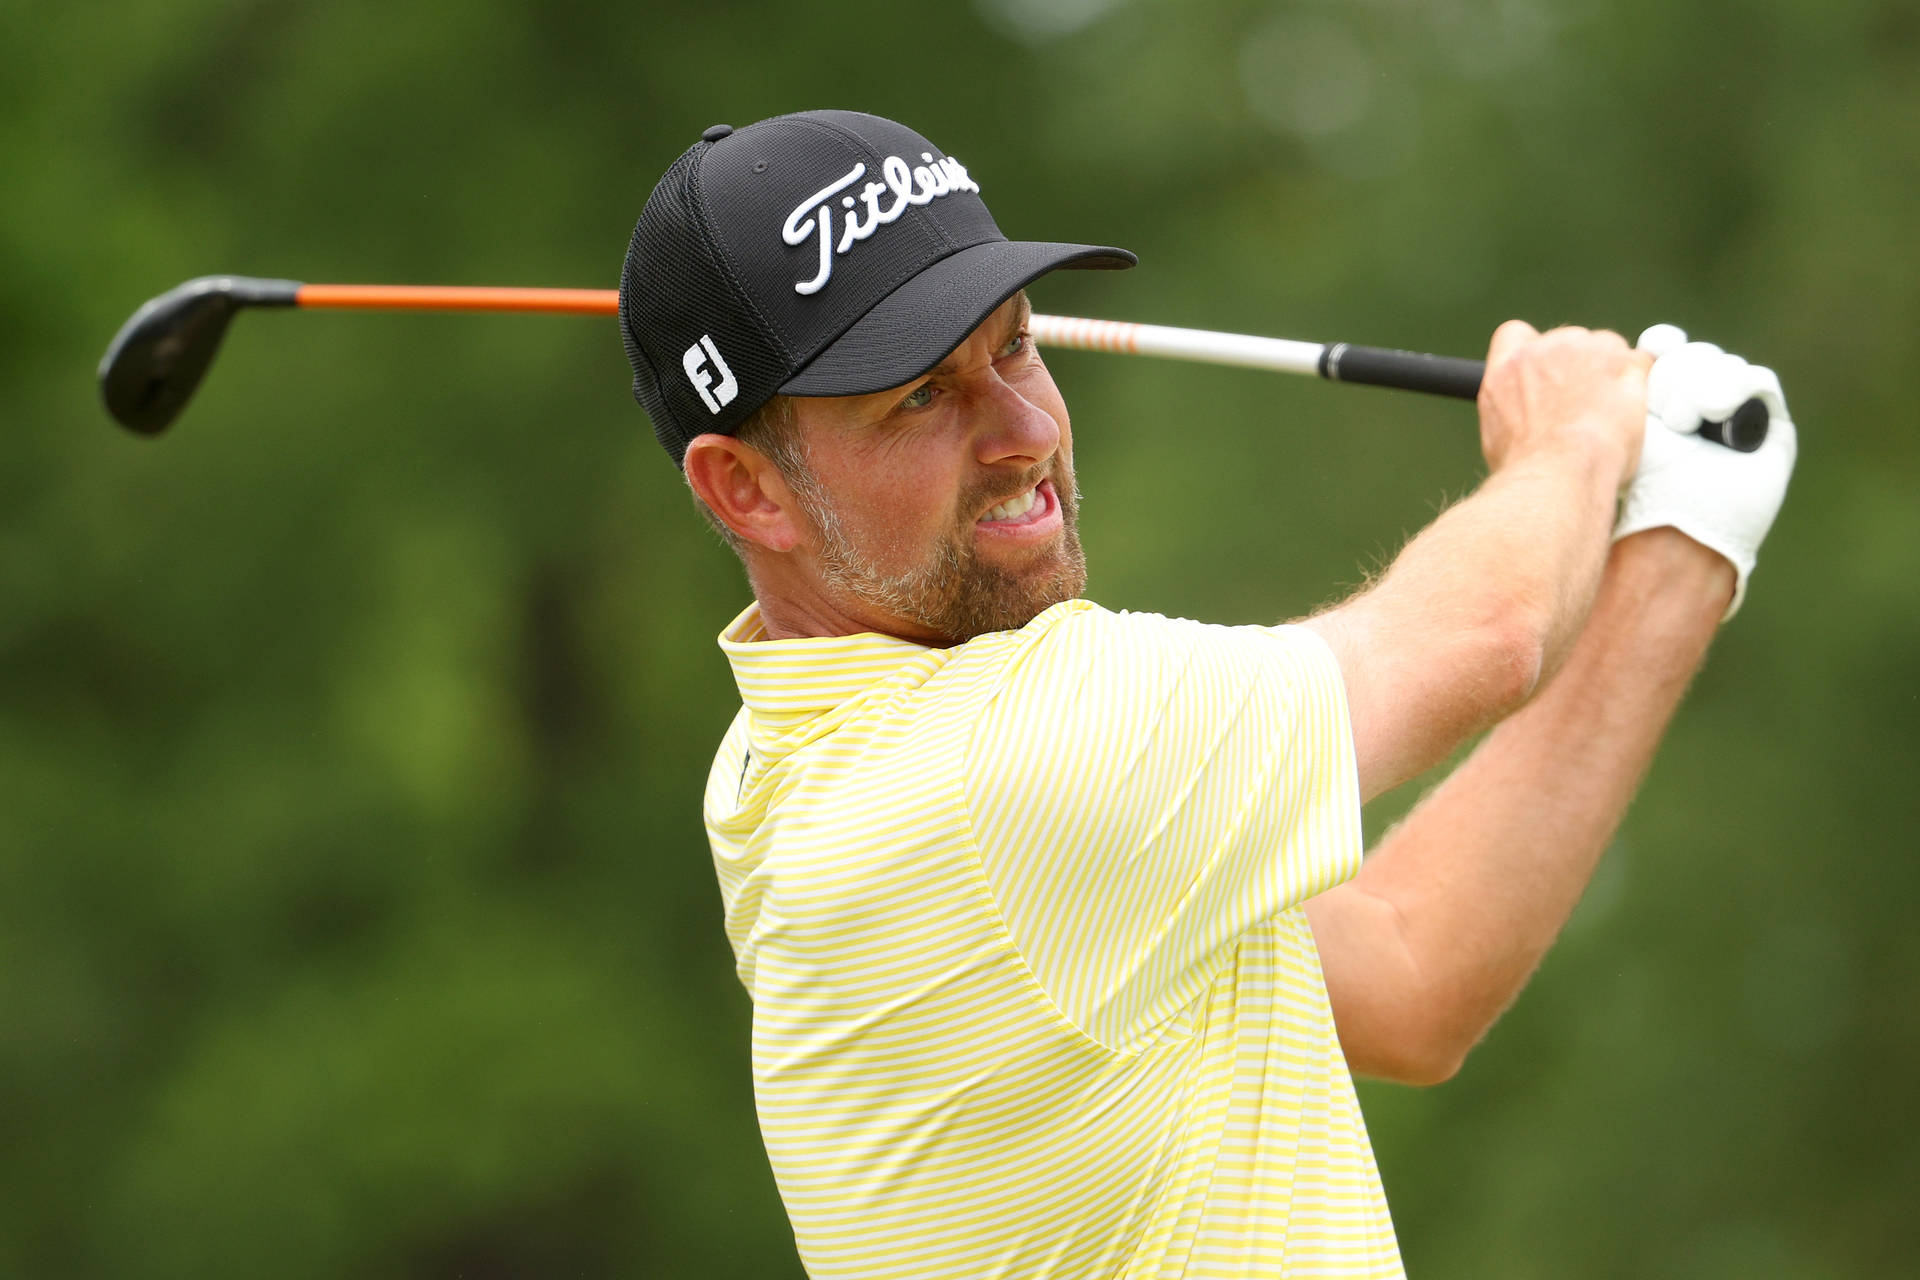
1022 312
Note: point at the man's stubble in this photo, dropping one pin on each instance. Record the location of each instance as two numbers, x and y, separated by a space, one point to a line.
952 592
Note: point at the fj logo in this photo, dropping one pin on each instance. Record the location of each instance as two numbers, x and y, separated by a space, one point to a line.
702 362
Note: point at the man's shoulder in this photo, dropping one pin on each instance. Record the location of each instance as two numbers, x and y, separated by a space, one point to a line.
1081 631
1083 677
1080 623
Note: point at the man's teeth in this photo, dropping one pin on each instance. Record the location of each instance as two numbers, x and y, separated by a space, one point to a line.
1014 508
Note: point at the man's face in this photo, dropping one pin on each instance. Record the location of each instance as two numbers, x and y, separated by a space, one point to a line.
945 508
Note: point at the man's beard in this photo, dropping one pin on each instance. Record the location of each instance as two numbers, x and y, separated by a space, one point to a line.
952 593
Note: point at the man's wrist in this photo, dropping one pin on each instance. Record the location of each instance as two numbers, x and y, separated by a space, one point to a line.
1667 567
1613 455
1588 448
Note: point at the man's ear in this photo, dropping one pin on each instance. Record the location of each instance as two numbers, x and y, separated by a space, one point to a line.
742 487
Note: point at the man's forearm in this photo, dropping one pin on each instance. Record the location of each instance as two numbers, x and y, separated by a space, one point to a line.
1531 543
1476 611
1452 913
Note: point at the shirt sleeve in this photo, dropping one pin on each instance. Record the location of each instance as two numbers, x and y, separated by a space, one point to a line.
1145 790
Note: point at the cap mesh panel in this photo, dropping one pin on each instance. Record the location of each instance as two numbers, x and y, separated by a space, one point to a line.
673 292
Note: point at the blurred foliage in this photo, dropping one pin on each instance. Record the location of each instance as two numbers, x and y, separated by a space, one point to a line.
355 917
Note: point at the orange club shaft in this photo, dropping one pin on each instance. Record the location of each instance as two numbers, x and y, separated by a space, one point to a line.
407 297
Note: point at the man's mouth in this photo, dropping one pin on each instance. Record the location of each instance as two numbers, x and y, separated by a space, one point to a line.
1030 516
1015 507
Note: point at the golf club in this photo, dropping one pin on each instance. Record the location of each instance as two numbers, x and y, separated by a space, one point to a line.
156 361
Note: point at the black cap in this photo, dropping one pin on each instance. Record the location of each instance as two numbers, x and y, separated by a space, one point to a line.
827 253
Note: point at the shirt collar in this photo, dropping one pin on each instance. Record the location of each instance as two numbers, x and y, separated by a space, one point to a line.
785 680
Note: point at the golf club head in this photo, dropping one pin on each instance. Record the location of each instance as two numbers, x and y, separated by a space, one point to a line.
156 361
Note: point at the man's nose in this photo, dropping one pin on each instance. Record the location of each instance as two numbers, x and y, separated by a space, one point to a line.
1013 428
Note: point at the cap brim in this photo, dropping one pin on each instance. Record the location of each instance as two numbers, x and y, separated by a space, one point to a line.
919 324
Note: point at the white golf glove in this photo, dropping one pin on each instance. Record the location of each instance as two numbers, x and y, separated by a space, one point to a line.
1721 498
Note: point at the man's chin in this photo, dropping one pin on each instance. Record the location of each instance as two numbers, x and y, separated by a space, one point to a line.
956 595
1002 600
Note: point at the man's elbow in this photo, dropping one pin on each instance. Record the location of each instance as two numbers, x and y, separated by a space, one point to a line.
1418 1059
1417 1035
1513 658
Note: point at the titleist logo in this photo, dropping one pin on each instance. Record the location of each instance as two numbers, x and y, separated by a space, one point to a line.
916 185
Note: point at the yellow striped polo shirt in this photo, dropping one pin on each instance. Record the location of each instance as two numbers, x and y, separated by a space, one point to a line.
1033 991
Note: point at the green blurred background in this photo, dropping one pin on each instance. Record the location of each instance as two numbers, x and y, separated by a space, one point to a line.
355 916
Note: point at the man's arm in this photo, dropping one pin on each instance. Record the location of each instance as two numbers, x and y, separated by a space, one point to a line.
1483 605
1437 934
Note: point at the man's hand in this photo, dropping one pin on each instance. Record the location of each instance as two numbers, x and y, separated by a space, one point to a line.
1720 498
1567 386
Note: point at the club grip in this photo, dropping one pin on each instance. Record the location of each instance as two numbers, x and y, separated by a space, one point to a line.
1405 370
1743 432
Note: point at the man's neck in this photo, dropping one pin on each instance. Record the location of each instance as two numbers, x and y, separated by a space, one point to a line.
790 613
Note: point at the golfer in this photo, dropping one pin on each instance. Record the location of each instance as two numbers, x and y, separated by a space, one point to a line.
1062 949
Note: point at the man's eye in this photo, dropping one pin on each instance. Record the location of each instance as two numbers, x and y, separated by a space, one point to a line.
1015 344
918 398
